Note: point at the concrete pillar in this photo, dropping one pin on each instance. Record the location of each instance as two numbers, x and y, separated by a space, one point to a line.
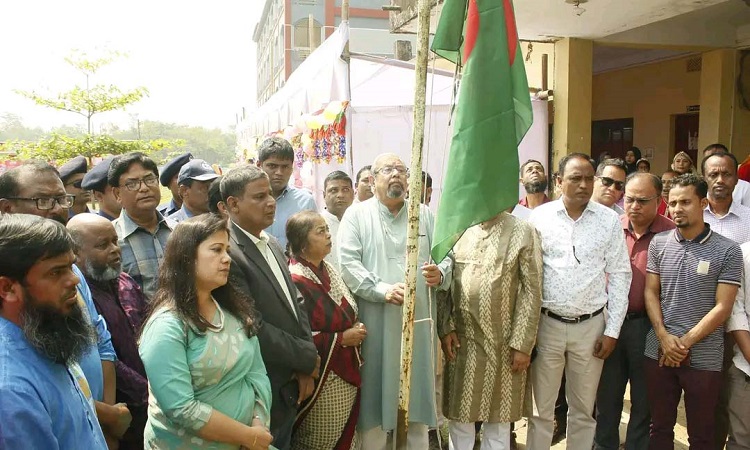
402 50
572 98
741 123
716 98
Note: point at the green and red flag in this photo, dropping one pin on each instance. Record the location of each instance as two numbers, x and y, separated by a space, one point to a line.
492 116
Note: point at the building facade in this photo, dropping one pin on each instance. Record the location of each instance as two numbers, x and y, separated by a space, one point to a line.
663 75
284 39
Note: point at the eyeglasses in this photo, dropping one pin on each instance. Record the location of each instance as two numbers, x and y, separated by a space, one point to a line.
134 185
640 201
388 170
607 181
47 203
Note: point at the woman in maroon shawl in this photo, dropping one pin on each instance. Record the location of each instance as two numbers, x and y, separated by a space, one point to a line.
326 421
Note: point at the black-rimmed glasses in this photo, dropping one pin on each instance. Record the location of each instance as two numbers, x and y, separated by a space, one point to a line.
47 203
134 185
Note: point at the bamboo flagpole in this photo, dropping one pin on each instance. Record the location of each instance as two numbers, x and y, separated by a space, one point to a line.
412 240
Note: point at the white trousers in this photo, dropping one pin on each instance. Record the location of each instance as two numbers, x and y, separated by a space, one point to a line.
379 439
439 398
495 436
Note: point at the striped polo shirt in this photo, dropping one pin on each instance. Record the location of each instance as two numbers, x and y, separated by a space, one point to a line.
690 271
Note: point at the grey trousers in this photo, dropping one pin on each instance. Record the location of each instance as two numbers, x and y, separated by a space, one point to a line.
739 410
624 365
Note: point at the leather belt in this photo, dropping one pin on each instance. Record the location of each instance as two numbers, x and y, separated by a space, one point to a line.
635 315
578 319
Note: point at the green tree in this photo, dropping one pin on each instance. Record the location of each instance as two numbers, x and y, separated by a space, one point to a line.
12 127
211 144
86 101
89 100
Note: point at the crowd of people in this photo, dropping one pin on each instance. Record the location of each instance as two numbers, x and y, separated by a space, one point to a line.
239 314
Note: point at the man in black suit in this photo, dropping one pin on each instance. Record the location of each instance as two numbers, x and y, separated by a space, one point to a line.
259 268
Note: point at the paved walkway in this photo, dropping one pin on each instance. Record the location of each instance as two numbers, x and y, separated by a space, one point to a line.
680 431
680 443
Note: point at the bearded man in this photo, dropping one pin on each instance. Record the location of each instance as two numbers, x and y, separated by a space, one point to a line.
372 253
35 188
119 299
44 332
534 181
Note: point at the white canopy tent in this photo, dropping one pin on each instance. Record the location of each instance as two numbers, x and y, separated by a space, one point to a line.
380 113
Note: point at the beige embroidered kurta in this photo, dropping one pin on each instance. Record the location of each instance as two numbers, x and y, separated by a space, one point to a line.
493 306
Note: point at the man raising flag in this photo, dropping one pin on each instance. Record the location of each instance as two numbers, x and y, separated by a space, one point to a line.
492 116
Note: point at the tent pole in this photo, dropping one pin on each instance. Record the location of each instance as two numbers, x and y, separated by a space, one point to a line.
412 240
348 60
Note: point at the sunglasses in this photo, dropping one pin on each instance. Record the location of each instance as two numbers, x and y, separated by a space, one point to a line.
607 181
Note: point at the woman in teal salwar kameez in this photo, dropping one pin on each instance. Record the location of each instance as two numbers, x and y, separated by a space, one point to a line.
208 387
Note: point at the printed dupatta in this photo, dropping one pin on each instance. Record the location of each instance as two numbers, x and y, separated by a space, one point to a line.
331 310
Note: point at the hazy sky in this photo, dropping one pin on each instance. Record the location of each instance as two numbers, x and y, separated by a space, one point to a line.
196 58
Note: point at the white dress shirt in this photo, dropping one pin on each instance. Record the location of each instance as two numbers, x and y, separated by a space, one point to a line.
741 193
586 262
735 225
740 318
333 227
262 245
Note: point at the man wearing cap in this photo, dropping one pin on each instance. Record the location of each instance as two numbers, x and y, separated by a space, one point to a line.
96 181
168 179
71 174
193 181
276 159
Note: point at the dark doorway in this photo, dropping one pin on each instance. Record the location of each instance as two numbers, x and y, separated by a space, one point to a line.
686 135
612 136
